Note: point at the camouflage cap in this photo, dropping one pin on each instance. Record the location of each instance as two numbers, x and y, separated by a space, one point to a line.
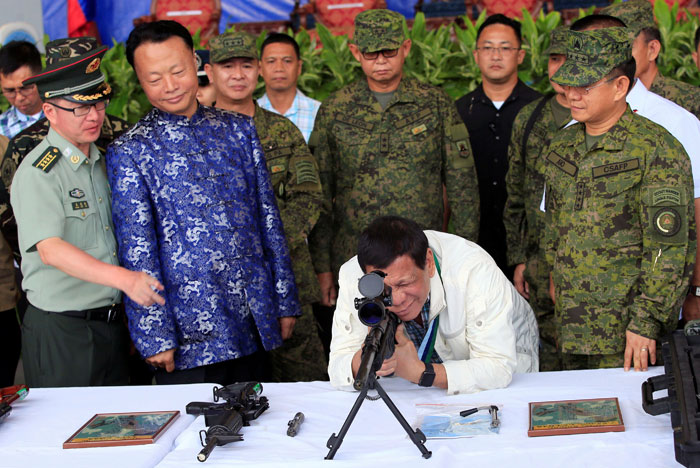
231 45
73 71
591 55
378 30
557 41
636 14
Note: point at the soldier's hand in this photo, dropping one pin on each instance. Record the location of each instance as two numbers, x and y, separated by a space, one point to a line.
519 281
691 308
328 291
164 360
287 326
639 349
141 288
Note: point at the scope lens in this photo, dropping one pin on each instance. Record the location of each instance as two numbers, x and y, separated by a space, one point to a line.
371 313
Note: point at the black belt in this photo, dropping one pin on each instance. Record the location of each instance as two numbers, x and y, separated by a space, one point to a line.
110 313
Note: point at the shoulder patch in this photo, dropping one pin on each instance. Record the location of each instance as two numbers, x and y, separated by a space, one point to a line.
305 172
47 159
666 195
667 222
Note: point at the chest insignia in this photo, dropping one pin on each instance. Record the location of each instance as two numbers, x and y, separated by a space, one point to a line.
563 164
80 205
76 193
615 168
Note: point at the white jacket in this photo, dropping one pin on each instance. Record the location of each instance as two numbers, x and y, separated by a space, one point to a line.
487 330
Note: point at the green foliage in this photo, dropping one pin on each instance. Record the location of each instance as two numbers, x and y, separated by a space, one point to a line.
442 57
128 102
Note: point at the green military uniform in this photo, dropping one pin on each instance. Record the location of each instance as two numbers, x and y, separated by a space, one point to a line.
684 94
73 334
297 187
394 161
639 15
20 146
524 220
389 158
620 227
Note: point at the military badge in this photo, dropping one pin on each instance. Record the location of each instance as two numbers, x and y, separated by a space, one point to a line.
47 159
93 66
75 159
276 169
80 205
419 129
667 222
76 193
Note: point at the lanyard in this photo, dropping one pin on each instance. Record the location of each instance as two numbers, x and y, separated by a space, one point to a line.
425 351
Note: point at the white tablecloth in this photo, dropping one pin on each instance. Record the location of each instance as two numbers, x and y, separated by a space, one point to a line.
376 439
34 432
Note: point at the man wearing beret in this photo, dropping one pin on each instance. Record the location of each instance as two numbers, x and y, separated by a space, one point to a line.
234 71
387 144
533 129
74 332
193 205
620 228
638 16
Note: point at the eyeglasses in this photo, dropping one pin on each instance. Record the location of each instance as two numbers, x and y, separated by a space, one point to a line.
488 50
585 90
82 111
23 90
387 53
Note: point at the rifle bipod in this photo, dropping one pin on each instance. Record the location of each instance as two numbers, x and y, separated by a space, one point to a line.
416 436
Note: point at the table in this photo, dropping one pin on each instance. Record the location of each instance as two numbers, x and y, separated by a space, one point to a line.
376 439
34 432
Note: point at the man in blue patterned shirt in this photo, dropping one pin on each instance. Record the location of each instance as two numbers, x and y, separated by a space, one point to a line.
193 205
18 61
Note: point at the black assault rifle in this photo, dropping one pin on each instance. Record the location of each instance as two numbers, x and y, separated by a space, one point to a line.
243 403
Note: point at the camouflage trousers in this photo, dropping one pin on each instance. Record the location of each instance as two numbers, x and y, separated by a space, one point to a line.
301 357
538 280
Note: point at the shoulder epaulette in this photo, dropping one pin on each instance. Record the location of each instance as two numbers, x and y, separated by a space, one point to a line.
47 159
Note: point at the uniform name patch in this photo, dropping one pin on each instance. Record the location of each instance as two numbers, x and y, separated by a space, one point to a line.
666 195
615 168
306 172
47 159
76 193
667 222
414 118
80 205
355 122
567 166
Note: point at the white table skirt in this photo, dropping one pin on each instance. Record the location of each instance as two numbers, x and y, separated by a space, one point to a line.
376 439
33 433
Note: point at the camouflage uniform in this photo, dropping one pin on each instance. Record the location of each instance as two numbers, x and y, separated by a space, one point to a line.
639 15
524 221
620 227
295 180
522 217
684 94
394 161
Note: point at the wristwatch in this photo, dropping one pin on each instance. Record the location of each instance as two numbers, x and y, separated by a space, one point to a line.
426 380
694 290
